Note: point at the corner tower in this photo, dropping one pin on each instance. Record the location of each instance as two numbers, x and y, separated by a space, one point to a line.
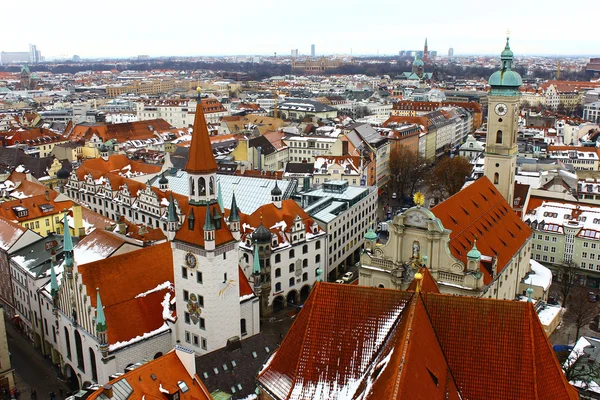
503 117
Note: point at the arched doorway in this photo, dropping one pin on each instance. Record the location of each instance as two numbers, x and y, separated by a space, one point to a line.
304 292
278 304
37 340
71 378
292 298
159 354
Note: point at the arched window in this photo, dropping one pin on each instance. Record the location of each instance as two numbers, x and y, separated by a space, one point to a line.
305 277
201 187
68 343
292 281
212 185
496 178
93 363
79 350
192 187
499 137
243 326
277 258
292 253
277 272
292 268
317 258
305 249
305 263
278 287
318 244
157 355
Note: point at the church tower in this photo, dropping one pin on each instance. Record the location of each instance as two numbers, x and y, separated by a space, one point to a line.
503 118
205 256
425 51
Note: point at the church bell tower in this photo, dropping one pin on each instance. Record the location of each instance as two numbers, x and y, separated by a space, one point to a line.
502 125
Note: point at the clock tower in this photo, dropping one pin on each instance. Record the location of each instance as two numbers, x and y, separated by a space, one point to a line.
502 124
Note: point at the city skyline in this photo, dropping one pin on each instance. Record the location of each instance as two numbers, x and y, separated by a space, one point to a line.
268 27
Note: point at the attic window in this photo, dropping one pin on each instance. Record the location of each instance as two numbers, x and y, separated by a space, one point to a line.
183 386
224 367
267 349
205 375
233 363
153 377
435 379
216 370
254 355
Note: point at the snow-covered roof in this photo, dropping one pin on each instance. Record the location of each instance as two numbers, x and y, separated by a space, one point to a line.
540 276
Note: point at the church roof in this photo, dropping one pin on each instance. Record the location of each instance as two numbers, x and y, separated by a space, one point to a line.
480 212
201 159
389 344
121 280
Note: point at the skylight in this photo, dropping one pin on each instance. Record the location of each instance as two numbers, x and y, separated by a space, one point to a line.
183 386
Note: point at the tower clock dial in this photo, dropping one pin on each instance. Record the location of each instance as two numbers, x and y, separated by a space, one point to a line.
501 109
190 260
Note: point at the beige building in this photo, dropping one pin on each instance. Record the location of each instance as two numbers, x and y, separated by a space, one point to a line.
7 378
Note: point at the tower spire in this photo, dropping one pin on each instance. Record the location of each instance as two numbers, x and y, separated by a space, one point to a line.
220 196
201 159
101 326
234 215
172 212
53 283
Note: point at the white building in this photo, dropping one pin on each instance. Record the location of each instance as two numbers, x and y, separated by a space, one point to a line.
180 113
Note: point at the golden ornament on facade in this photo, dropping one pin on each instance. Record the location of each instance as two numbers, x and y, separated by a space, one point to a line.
419 199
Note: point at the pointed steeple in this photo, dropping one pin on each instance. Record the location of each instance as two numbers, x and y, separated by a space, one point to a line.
208 221
100 318
191 219
220 197
201 159
172 212
53 281
256 262
68 241
234 215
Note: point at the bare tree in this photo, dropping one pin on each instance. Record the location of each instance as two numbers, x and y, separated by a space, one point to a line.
566 274
406 170
448 176
580 312
582 367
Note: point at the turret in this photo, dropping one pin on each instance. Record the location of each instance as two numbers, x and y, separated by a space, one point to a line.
234 219
209 231
276 196
473 258
101 327
172 219
53 288
103 152
370 240
256 271
163 182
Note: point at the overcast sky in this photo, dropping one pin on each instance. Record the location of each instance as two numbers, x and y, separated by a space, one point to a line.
122 28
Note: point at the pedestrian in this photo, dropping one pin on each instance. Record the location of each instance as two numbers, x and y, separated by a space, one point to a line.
60 390
52 395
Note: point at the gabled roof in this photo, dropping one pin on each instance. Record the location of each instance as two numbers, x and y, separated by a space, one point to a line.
121 279
10 233
37 206
480 212
201 159
195 236
119 163
146 381
389 344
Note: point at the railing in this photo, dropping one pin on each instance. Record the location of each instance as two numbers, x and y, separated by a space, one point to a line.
447 276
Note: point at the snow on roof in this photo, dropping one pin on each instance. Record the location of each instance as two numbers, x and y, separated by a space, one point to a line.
162 286
540 276
548 314
119 345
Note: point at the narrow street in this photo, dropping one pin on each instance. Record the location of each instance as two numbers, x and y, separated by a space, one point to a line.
32 370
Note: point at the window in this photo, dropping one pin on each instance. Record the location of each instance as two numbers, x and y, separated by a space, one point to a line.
198 276
305 277
292 254
68 343
79 349
291 269
187 317
201 300
318 244
305 249
93 365
225 277
196 340
202 323
187 337
277 258
277 272
305 263
292 281
317 258
204 343
243 326
184 273
496 178
584 255
186 295
278 287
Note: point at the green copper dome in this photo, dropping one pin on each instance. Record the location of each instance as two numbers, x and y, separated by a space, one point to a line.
371 235
506 81
418 62
474 254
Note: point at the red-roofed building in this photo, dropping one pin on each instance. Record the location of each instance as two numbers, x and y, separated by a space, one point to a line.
474 244
389 344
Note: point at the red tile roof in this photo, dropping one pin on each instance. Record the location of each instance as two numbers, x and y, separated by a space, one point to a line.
9 233
201 159
166 371
195 236
480 212
32 204
119 163
120 279
388 344
245 288
427 284
137 130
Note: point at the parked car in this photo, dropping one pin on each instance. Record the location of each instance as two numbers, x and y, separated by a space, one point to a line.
339 281
348 276
394 195
591 297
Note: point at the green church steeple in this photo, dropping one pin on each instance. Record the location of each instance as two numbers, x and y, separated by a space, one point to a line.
220 197
100 318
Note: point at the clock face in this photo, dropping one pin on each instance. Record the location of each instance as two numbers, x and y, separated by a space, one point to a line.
190 260
501 109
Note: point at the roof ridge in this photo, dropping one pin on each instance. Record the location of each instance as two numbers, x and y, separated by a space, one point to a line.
407 342
450 373
532 338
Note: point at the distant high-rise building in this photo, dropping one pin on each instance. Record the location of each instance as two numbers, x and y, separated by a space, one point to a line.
294 53
33 53
9 57
450 52
312 50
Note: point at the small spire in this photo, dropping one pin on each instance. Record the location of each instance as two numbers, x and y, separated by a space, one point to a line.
172 212
234 215
67 240
256 262
319 273
53 280
208 221
220 197
100 318
418 278
529 292
191 219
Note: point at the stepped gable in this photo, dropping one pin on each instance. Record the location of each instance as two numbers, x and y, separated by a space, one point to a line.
123 277
201 159
389 344
480 212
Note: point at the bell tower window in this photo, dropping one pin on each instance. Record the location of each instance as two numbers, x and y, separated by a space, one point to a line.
499 137
496 178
